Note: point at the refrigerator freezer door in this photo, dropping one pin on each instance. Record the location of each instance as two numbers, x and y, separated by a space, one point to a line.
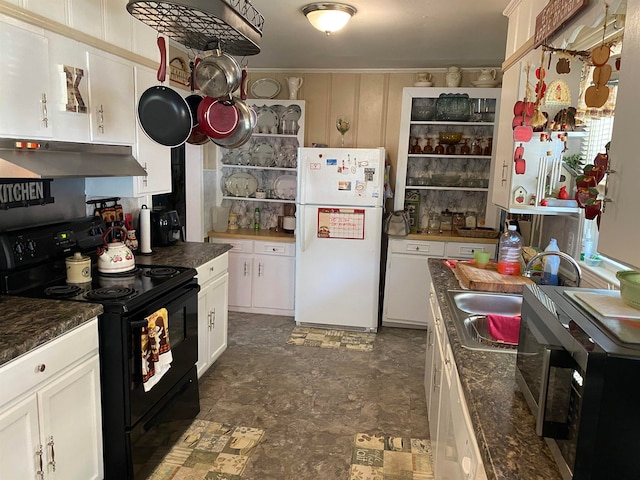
337 279
341 176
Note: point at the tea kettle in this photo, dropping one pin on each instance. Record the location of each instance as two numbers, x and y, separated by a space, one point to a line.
115 257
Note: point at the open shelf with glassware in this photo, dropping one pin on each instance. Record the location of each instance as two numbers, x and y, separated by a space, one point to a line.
445 151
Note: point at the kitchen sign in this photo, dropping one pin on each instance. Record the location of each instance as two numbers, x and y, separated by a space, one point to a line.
24 193
553 17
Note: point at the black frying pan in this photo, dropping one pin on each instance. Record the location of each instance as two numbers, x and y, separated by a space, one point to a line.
162 112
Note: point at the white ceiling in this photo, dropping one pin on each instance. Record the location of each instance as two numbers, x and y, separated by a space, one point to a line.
385 34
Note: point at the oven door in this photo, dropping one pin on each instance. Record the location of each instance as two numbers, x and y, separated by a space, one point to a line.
182 308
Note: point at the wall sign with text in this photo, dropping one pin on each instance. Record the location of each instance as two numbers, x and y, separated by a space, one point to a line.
23 193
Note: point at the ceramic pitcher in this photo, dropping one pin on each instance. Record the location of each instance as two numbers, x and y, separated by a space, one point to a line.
453 76
487 75
294 84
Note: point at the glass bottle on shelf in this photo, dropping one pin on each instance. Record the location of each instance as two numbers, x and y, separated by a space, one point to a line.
476 148
427 148
465 149
415 148
489 147
439 149
451 149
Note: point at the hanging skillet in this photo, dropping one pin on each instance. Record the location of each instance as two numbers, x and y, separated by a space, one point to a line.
197 136
163 114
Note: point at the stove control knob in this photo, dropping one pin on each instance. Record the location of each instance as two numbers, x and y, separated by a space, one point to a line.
18 248
31 247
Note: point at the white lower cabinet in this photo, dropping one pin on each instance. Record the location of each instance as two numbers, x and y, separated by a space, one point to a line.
213 278
407 277
455 452
50 418
261 276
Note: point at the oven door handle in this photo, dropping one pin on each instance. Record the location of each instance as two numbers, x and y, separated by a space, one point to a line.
136 324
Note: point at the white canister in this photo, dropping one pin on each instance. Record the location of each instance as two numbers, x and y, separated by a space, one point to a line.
289 224
78 268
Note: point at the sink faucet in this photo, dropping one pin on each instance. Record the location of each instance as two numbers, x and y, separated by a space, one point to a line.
568 258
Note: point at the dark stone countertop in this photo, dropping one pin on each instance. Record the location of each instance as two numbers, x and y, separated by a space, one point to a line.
183 254
27 323
502 422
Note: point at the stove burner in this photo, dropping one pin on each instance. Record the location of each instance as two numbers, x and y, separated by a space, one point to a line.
161 272
110 293
128 273
63 291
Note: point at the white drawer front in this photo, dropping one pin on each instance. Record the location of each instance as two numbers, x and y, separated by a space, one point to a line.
239 246
432 249
465 250
213 268
275 248
39 365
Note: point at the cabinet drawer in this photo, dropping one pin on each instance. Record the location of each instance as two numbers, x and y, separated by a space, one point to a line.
239 246
432 249
275 248
465 250
213 268
39 365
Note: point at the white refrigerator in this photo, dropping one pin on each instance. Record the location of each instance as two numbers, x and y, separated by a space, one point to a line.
338 237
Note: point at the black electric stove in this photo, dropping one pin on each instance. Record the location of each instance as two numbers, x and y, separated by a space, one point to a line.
136 420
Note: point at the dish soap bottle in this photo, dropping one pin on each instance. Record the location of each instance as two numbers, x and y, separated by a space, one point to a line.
551 265
509 252
256 219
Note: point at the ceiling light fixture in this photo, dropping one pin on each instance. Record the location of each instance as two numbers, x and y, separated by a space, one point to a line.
328 17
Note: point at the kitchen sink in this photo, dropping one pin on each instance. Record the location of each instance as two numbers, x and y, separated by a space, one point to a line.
469 312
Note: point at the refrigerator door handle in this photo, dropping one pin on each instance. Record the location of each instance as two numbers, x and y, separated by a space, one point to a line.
302 227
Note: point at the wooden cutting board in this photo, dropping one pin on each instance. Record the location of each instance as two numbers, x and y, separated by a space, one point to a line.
488 279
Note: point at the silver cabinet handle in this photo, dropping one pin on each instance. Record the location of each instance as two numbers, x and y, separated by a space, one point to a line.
41 368
436 372
101 119
40 472
213 319
145 179
260 269
52 462
245 269
209 319
45 114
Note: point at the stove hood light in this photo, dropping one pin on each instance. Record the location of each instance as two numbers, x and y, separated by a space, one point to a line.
24 158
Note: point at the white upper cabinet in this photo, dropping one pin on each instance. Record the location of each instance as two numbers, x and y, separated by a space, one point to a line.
118 24
111 100
54 9
69 103
87 16
24 84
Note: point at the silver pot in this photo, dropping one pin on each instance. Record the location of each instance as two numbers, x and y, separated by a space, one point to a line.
218 75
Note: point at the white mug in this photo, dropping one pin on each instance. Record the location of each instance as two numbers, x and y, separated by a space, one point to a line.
294 84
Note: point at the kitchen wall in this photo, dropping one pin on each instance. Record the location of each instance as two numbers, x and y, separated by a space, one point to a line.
69 202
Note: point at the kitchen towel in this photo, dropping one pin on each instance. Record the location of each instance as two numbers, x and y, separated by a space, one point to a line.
156 349
145 230
503 327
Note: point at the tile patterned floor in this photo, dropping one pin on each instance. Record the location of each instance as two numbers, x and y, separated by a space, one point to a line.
311 402
379 457
332 338
209 451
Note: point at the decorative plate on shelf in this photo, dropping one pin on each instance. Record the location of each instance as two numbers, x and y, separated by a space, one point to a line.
265 88
485 84
263 154
285 187
241 184
267 120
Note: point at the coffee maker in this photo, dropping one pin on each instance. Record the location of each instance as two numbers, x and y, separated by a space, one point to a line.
165 227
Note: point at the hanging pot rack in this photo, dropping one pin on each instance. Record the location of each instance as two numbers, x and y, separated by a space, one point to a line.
233 25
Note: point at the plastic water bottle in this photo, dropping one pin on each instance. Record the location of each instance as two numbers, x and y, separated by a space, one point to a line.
551 265
256 219
509 252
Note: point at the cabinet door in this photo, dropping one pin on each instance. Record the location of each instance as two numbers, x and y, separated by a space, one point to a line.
19 440
273 282
240 268
71 423
407 300
436 387
24 83
470 463
445 452
69 105
217 293
112 106
155 158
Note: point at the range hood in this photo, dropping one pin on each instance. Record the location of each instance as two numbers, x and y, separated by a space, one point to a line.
21 158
